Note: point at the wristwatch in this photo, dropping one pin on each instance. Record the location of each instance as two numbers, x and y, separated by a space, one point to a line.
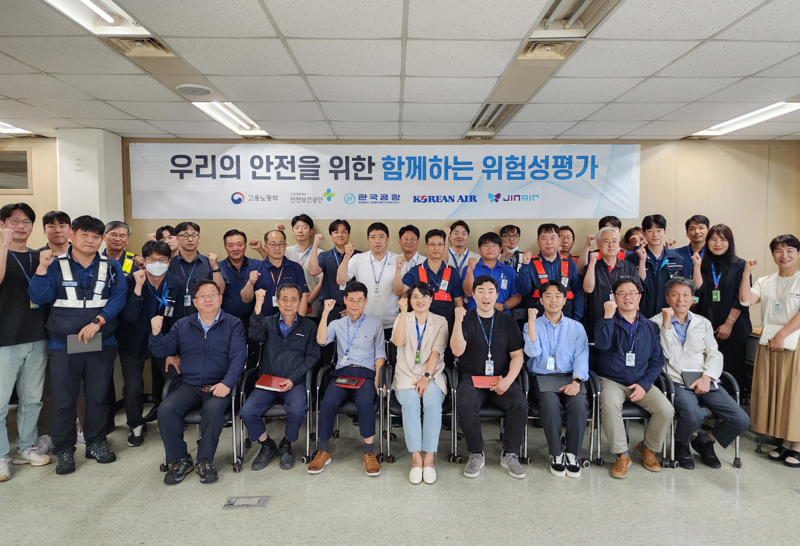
96 320
577 380
505 306
215 270
426 374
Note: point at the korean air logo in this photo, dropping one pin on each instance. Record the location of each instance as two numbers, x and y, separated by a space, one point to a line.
237 198
328 194
494 197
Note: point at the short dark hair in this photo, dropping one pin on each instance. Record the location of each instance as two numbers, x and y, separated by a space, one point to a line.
7 210
336 223
353 287
628 235
288 286
55 215
155 247
435 233
490 237
200 284
461 223
233 233
613 220
510 228
413 229
483 279
674 281
423 288
546 228
698 219
274 231
543 288
160 232
627 280
567 228
89 224
303 218
183 226
377 226
654 220
788 240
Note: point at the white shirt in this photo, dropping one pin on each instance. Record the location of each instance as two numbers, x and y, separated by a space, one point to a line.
415 260
772 289
464 257
698 352
311 281
366 269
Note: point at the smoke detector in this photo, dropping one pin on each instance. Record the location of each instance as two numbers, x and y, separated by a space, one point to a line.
193 89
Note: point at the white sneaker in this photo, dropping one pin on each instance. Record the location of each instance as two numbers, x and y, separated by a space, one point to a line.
429 474
415 476
31 456
81 439
43 445
5 473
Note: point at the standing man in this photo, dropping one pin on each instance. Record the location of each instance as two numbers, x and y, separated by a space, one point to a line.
56 229
605 221
511 254
236 270
23 345
116 238
507 296
300 252
409 244
566 240
696 230
327 264
86 291
458 254
191 266
169 236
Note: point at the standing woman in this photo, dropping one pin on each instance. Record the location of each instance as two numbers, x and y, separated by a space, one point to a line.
719 301
775 401
421 338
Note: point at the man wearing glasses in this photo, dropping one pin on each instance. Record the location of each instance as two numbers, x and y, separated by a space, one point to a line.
630 361
207 379
191 266
489 264
511 254
116 238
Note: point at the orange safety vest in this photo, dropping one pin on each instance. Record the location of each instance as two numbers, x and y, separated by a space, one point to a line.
621 255
574 258
438 295
543 278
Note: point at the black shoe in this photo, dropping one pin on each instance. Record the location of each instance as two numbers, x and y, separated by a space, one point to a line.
706 452
206 471
100 452
397 422
684 456
287 459
780 454
152 415
178 471
267 453
65 462
136 436
794 455
447 423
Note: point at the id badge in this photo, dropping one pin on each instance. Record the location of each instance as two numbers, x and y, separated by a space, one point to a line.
443 285
342 286
715 295
169 311
187 301
551 363
274 301
489 370
611 297
630 359
343 362
504 284
564 281
34 305
417 359
776 308
377 290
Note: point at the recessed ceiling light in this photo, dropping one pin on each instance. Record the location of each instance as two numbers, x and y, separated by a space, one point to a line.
753 118
231 117
100 17
8 129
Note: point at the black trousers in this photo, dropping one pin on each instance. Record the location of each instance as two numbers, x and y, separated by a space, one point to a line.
734 358
576 409
174 408
66 374
512 402
133 383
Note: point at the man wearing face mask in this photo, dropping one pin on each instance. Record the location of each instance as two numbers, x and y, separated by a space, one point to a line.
151 292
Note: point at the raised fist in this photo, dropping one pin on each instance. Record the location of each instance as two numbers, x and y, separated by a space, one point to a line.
5 235
139 276
593 257
139 262
532 312
255 244
669 243
155 323
749 265
260 295
151 236
349 249
696 259
254 275
318 238
526 258
402 303
472 263
610 308
642 252
280 227
446 230
460 313
212 260
46 258
590 239
329 305
667 313
399 263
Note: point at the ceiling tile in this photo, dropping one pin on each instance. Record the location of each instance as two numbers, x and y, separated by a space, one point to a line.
734 136
44 125
10 66
536 137
770 128
535 129
351 88
37 86
162 111
775 21
429 137
677 128
262 88
368 137
366 128
673 20
134 126
362 111
12 109
674 89
27 18
603 128
192 127
201 18
795 136
713 111
230 135
131 88
790 68
146 135
338 18
448 90
294 129
89 109
417 128
281 111
620 59
729 59
306 137
473 19
583 90
73 55
556 112
637 111
348 57
468 59
413 111
247 56
587 137
757 90
651 137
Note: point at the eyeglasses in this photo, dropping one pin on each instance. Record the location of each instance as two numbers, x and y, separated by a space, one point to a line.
490 246
149 260
509 236
459 233
276 246
189 235
17 221
117 236
206 296
435 245
632 294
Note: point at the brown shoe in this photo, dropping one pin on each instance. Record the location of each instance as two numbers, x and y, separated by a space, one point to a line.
371 464
620 468
319 463
649 458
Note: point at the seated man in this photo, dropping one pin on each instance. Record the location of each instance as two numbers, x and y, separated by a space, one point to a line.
689 344
630 361
488 343
360 354
212 351
290 350
558 345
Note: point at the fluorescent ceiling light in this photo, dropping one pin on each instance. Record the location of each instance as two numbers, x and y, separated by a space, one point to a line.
95 8
753 118
113 19
8 129
231 117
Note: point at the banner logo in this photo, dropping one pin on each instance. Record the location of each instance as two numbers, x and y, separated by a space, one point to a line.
445 199
350 198
237 198
328 194
494 197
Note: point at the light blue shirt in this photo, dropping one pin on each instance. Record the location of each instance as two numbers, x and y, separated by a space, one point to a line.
284 328
213 322
566 341
365 347
681 329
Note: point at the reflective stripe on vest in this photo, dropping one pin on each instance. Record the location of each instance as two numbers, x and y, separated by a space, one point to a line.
72 300
543 278
438 295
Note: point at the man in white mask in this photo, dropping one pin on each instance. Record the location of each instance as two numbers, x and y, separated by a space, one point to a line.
152 291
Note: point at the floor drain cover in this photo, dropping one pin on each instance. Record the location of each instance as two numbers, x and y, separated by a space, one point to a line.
235 503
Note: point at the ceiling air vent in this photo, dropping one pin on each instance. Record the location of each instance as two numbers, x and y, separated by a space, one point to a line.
547 51
139 47
491 119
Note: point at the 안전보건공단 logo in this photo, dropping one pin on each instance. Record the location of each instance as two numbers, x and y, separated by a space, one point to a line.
328 194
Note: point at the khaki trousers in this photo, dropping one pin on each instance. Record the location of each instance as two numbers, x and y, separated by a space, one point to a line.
612 397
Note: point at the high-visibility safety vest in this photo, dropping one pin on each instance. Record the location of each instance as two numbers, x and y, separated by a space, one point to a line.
543 278
68 295
438 295
127 263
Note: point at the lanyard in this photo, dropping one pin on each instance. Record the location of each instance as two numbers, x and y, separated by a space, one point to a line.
189 278
459 266
385 259
163 299
632 337
491 331
552 338
419 336
336 257
715 276
29 273
280 274
301 259
433 278
236 272
355 334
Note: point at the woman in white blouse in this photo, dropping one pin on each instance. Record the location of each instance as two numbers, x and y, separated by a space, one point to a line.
419 383
775 400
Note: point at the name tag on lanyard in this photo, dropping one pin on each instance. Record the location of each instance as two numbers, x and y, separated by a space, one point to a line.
715 296
630 359
551 363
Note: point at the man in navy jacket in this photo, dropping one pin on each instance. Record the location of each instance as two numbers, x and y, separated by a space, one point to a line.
212 351
630 361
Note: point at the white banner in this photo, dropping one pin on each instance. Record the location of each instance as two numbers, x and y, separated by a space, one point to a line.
263 180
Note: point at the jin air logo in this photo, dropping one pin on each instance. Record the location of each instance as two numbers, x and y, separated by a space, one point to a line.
494 197
328 194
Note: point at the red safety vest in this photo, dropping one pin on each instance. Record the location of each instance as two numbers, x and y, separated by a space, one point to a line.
574 258
621 255
543 278
438 295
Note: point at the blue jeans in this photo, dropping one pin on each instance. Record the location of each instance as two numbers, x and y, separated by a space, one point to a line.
422 434
23 364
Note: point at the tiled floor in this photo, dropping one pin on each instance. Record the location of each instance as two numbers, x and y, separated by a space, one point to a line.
127 503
